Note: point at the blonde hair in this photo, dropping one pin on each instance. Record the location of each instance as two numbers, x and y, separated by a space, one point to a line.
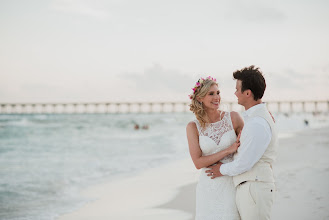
196 106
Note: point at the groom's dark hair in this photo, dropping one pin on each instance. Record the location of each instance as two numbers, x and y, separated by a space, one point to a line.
252 78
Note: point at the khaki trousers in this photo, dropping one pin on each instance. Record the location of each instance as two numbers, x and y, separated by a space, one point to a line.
255 199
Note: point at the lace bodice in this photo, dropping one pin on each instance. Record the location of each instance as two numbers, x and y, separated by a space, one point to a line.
215 198
217 136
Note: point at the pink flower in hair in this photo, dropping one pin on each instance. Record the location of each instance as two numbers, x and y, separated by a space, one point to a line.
199 83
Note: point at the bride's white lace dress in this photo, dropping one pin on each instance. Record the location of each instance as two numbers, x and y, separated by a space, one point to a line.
215 198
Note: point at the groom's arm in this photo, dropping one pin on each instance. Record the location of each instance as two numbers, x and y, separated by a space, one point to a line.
255 138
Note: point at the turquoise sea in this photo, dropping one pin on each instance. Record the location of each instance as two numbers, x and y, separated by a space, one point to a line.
46 159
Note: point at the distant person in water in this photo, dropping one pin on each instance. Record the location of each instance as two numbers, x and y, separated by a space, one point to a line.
306 122
144 127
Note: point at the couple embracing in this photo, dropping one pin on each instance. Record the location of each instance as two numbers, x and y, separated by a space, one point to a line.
235 154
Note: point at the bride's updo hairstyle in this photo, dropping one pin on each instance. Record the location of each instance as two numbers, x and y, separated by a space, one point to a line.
200 90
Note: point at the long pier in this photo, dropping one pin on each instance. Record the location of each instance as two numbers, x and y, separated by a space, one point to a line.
321 106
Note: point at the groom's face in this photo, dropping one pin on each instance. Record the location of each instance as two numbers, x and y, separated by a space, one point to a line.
238 92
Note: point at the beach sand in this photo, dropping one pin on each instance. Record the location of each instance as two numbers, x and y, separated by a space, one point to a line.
140 197
302 175
302 170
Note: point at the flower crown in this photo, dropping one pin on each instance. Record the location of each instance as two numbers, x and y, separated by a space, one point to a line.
199 83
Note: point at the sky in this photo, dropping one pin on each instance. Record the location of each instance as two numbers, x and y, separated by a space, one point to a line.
128 50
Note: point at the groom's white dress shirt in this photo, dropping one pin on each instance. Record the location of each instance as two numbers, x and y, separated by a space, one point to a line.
255 138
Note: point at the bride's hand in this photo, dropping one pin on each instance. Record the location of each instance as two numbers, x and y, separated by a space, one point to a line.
234 147
238 138
272 116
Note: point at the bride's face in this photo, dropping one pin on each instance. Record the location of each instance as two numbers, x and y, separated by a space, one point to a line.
212 99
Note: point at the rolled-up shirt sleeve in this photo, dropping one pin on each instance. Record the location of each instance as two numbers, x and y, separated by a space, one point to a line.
255 138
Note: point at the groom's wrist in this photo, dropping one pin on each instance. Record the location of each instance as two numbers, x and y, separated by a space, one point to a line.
222 170
220 165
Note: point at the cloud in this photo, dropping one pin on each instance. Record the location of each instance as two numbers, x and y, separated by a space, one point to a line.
85 8
263 14
291 83
156 78
324 70
257 11
286 79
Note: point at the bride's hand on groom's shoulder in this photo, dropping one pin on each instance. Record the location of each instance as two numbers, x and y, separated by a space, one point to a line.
234 147
272 116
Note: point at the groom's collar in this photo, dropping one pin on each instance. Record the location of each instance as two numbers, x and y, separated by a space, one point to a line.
252 109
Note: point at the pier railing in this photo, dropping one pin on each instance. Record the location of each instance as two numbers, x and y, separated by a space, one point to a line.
321 106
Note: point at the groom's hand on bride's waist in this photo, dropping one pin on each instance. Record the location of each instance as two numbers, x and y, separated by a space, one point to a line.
213 171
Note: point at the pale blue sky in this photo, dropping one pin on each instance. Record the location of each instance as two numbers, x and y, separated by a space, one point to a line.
56 50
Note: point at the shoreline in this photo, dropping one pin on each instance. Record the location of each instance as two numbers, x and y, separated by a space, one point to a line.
168 192
138 197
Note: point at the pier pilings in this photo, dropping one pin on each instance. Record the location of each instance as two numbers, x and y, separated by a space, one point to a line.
321 106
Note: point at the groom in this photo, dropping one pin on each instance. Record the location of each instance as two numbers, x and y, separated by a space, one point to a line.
252 165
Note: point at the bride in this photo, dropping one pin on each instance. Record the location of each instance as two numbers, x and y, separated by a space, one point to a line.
212 137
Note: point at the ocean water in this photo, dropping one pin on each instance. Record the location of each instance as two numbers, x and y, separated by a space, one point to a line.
45 160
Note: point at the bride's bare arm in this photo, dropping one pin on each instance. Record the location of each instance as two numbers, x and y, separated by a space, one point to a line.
237 122
196 153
